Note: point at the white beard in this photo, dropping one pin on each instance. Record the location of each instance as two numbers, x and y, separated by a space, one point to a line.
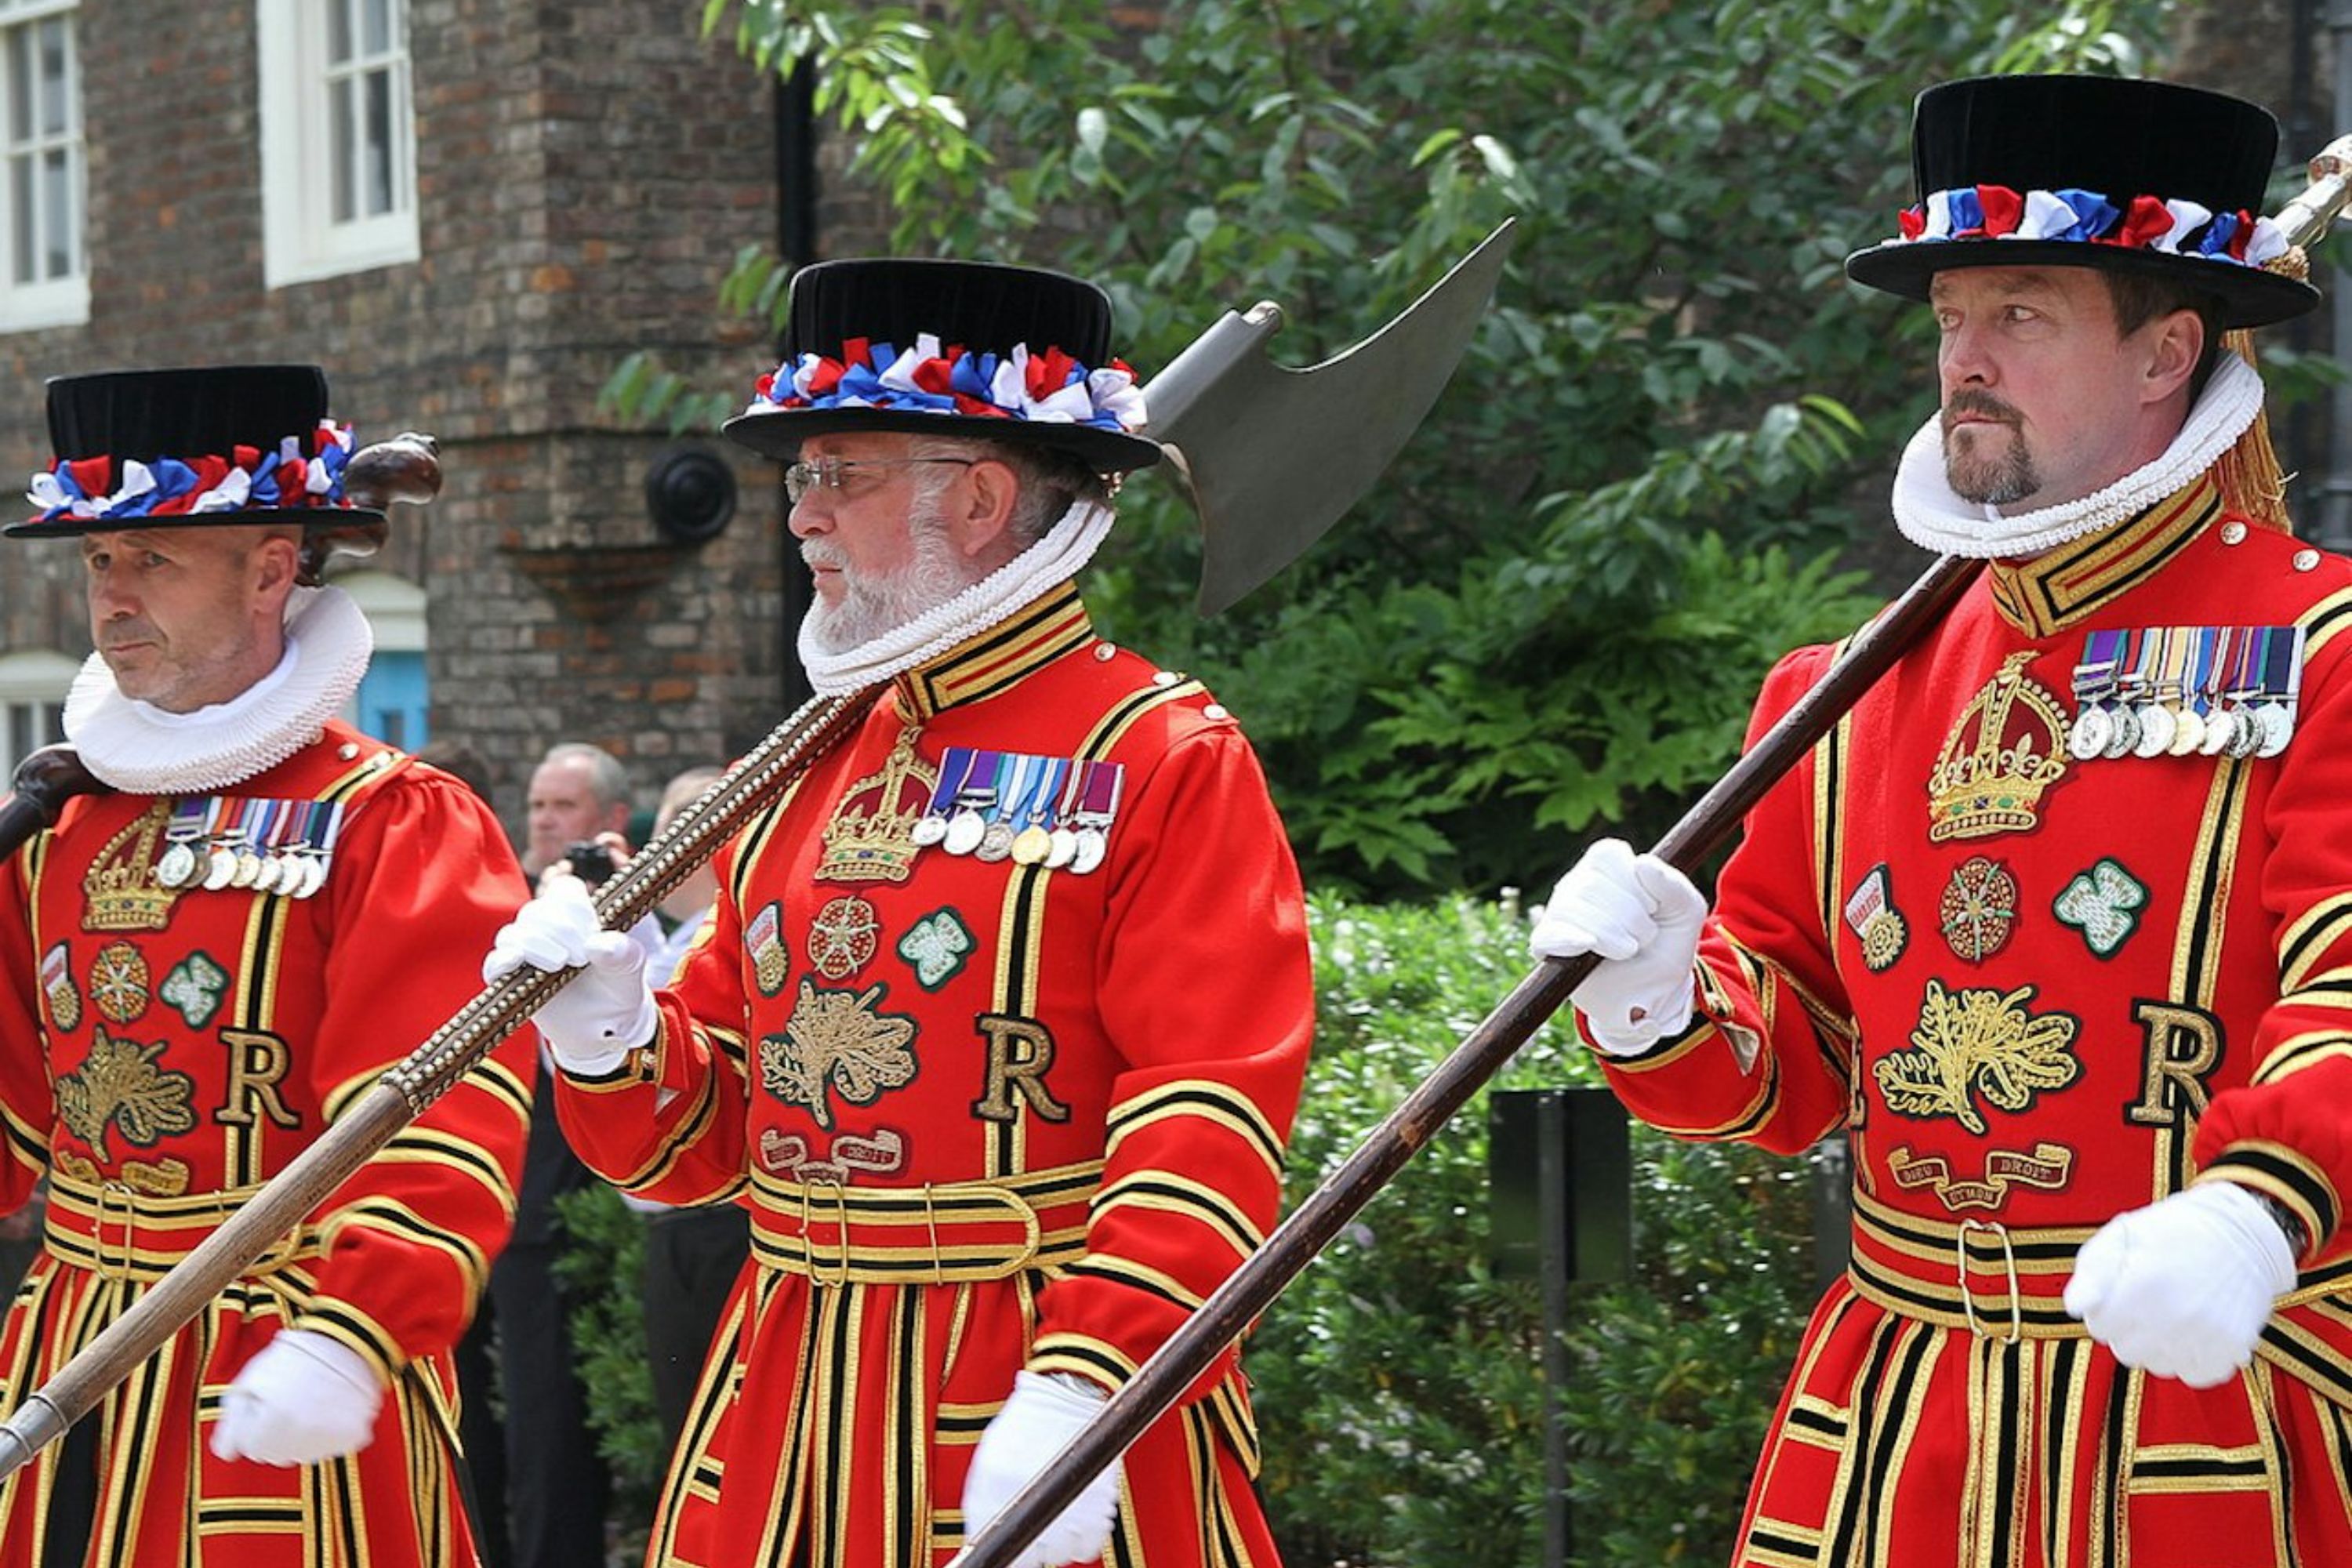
994 599
871 605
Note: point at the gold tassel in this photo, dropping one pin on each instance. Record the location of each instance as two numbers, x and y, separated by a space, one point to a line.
2251 485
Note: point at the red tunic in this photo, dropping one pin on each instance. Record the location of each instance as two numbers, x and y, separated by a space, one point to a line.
192 1044
2038 991
985 1115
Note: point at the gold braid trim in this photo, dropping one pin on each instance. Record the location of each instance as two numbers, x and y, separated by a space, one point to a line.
2251 484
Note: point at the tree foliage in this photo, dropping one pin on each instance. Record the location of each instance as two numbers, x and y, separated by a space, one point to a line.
1552 610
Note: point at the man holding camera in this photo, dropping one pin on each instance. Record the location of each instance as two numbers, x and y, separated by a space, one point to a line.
1001 1015
577 792
557 1483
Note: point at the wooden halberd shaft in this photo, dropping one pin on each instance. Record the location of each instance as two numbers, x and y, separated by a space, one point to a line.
407 1088
1234 1305
1250 1290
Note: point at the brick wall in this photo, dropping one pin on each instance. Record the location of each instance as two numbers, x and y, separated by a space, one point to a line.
586 172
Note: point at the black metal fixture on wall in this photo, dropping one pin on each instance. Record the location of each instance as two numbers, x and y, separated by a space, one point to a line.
689 493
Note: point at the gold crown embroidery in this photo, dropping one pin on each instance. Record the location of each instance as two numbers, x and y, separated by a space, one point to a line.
871 837
2007 748
120 892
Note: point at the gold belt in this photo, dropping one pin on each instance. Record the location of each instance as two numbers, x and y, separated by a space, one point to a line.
941 1233
116 1231
1998 1281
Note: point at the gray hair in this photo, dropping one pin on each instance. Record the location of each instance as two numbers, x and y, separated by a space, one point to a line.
684 789
1046 482
606 778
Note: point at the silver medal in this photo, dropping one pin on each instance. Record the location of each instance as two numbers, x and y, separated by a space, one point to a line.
1064 845
177 868
995 842
2089 734
222 868
2277 721
2126 735
2246 731
929 831
1090 852
2155 730
964 832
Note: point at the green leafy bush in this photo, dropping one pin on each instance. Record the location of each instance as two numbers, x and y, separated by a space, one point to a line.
1552 608
1399 1383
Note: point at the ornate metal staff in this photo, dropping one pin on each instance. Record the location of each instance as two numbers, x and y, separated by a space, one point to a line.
408 1089
404 469
1230 1309
1220 443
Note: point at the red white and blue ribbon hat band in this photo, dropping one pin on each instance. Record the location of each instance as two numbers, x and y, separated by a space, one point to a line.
950 348
166 449
2103 171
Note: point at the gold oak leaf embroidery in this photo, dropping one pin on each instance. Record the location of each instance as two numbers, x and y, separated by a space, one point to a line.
1977 1042
836 1039
119 1084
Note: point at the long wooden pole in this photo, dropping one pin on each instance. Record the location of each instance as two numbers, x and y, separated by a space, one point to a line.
406 1090
1251 1288
1235 1304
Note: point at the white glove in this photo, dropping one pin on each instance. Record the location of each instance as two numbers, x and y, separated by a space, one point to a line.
1041 1418
1641 917
304 1398
592 1024
2183 1287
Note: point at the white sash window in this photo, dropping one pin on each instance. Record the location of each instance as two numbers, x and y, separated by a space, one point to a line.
33 685
43 266
337 138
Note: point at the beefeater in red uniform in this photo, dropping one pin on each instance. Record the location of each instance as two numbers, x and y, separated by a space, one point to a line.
999 1023
2057 924
198 970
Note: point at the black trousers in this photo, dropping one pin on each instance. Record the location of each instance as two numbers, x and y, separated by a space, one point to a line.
557 1486
692 1257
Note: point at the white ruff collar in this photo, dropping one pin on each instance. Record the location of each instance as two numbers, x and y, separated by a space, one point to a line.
140 748
1069 544
1931 515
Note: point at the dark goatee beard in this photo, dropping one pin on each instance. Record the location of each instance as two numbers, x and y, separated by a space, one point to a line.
1987 479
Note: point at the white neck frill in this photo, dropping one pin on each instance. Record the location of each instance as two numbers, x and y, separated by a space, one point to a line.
1069 545
1931 515
140 748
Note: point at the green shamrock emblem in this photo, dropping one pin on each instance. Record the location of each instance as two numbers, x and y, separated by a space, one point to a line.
195 987
2103 903
937 948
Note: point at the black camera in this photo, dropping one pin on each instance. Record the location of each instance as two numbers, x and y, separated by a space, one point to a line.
590 861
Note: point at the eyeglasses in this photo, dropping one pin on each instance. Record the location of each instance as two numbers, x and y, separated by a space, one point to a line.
832 473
